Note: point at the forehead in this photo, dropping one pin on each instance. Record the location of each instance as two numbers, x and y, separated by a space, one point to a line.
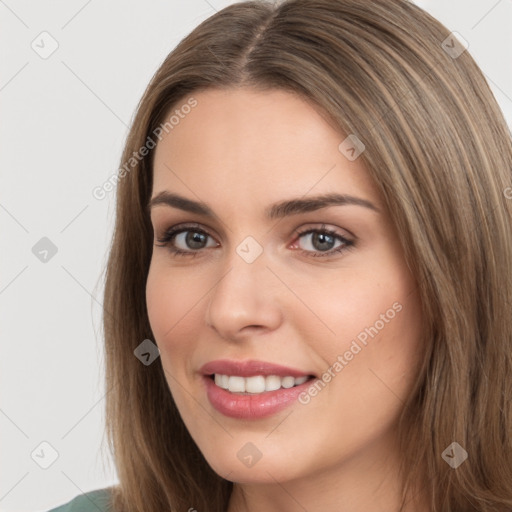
253 143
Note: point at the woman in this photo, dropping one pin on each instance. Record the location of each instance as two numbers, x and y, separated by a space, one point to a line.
307 300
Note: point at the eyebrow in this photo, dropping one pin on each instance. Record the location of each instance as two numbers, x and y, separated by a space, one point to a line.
274 211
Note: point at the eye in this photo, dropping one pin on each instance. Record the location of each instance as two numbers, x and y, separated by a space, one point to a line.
191 238
320 242
323 242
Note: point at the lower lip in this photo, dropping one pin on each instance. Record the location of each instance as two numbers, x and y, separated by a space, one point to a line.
252 406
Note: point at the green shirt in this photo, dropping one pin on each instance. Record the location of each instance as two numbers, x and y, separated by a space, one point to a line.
92 501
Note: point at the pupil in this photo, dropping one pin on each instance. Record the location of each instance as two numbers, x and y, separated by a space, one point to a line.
323 238
195 238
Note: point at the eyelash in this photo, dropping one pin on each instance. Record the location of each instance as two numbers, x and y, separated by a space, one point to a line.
171 233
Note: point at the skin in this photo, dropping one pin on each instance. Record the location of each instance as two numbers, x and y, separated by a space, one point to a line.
240 150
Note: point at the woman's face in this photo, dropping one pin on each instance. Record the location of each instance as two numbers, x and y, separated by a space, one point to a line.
274 275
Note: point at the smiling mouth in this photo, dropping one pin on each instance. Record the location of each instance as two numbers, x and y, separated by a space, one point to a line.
257 384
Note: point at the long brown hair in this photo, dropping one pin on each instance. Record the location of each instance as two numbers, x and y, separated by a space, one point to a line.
439 150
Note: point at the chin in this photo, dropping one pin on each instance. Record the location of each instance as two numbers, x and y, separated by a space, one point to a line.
240 462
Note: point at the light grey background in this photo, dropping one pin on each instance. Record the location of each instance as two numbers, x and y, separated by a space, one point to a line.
64 120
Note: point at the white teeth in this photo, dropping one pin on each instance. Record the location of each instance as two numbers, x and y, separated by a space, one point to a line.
272 382
289 382
257 384
236 384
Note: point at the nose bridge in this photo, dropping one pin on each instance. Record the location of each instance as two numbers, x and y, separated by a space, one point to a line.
245 294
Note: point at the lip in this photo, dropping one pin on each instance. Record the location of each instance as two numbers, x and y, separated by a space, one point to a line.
251 407
250 368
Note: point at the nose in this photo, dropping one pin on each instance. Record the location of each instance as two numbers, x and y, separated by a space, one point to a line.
245 301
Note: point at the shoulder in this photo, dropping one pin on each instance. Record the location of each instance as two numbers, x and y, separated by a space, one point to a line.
92 501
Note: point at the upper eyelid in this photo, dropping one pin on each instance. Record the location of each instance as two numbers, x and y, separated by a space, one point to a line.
298 232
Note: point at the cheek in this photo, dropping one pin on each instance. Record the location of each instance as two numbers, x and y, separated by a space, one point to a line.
161 305
350 303
173 303
371 320
173 306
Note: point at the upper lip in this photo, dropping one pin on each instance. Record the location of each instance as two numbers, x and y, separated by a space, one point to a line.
250 368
